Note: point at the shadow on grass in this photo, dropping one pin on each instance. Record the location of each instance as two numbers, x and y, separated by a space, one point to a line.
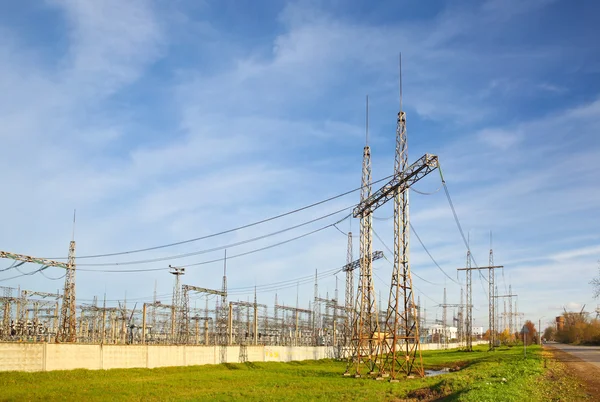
231 366
252 366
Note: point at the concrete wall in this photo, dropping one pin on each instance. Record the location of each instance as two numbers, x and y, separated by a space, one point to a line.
50 356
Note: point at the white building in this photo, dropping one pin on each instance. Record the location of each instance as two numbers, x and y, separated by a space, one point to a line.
451 332
478 331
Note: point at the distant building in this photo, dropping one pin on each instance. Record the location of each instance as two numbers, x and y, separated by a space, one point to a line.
478 331
435 333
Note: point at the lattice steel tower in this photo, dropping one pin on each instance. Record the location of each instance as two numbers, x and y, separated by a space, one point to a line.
492 299
176 308
469 323
68 319
223 338
349 298
364 349
402 328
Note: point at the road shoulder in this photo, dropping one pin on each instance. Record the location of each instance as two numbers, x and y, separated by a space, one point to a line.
586 373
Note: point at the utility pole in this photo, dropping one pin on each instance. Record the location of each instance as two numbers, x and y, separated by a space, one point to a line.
511 329
444 318
176 309
349 270
401 349
491 299
316 311
364 346
224 316
508 296
469 323
461 318
349 298
68 319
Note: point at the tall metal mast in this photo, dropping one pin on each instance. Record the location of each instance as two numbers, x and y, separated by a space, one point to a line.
363 345
492 299
349 299
402 327
469 323
68 319
222 323
176 308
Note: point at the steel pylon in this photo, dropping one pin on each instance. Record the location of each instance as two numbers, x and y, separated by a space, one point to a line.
364 344
68 319
349 299
469 306
401 348
492 300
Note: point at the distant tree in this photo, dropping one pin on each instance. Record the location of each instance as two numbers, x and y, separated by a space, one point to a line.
504 336
595 282
531 335
549 333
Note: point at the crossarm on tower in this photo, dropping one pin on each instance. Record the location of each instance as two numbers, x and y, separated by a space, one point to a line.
26 258
399 183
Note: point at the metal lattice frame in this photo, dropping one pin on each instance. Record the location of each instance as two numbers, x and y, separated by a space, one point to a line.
511 328
223 318
365 325
492 301
349 298
68 320
469 323
402 325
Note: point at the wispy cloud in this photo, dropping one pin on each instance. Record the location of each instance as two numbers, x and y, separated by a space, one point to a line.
162 122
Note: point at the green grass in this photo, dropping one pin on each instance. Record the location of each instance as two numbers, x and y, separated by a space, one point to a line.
503 375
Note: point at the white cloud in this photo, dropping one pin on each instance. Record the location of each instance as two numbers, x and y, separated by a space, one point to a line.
243 143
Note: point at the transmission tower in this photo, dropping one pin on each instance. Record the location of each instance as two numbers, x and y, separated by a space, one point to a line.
68 318
223 318
469 306
349 299
316 311
491 299
497 324
444 318
461 318
469 323
511 328
363 343
176 309
402 325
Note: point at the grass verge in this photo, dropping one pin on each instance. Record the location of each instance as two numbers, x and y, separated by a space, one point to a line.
503 375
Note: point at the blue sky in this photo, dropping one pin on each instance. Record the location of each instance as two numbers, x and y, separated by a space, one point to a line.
169 120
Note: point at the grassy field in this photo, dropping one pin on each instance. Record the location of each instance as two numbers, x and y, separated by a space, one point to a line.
503 375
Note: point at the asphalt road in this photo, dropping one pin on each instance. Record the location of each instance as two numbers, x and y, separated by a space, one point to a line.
590 354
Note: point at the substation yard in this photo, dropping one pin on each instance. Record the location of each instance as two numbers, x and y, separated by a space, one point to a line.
503 375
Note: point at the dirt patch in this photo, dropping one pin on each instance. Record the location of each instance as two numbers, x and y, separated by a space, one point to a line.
587 373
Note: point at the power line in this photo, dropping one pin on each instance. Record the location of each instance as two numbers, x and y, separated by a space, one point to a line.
24 273
391 252
219 259
462 234
205 251
430 256
228 230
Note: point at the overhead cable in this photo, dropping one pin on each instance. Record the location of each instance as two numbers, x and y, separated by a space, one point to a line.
228 230
218 259
209 250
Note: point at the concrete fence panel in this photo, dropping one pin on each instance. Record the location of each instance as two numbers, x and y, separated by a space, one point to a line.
122 356
21 357
198 355
69 357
